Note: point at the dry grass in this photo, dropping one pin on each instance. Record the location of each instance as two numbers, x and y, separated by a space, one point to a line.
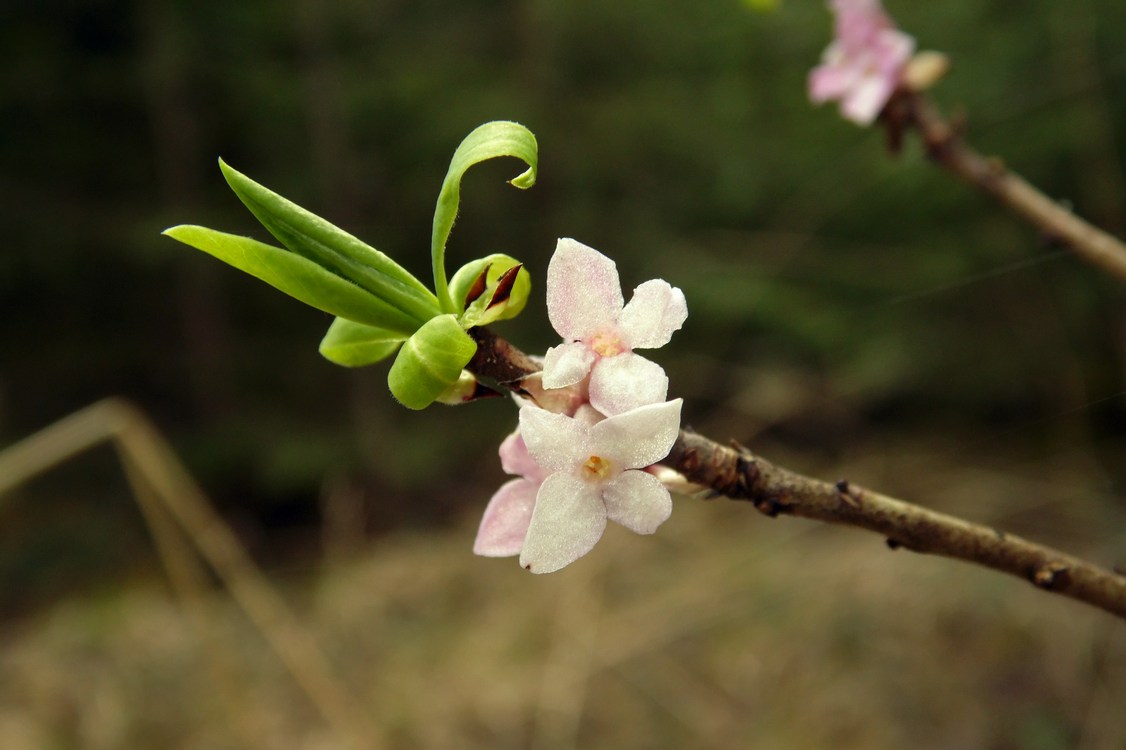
725 630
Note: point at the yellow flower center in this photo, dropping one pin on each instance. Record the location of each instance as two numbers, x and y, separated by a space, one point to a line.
606 344
596 468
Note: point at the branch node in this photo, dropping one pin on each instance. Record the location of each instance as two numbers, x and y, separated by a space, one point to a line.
1052 576
770 507
850 494
746 473
691 461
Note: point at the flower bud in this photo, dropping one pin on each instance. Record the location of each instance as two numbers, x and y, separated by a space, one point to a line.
430 362
490 289
925 69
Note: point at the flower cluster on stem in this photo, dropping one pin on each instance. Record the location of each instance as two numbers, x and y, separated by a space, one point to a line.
581 452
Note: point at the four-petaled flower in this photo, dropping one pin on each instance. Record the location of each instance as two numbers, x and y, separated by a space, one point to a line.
585 306
863 64
593 474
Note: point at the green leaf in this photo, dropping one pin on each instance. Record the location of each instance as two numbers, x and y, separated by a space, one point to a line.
298 277
496 295
430 362
487 141
354 344
312 237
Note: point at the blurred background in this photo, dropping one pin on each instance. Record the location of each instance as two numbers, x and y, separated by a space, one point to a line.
852 314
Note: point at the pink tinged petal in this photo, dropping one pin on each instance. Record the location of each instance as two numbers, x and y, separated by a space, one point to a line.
655 311
516 460
566 364
638 501
627 381
505 522
829 82
857 6
567 522
895 48
555 442
558 400
865 101
638 438
583 291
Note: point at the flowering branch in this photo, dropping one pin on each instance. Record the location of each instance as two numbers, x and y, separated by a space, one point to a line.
945 145
737 473
594 425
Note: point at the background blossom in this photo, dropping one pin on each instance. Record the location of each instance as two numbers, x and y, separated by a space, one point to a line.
862 66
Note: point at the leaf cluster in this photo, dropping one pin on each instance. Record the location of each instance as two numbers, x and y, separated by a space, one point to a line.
382 309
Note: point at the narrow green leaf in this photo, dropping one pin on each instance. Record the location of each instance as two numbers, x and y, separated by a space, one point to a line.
354 344
487 141
298 277
312 237
430 362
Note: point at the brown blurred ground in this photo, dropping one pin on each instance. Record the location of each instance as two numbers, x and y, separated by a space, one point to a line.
724 630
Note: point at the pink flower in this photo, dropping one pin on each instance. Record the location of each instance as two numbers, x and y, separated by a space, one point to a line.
862 66
585 305
594 473
505 522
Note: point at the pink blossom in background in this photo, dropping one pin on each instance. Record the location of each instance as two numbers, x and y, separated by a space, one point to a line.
594 473
862 66
600 332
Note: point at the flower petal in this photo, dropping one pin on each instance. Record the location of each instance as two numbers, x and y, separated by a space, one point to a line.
588 415
627 381
830 81
555 442
864 102
655 311
566 364
638 501
640 437
515 459
583 291
567 522
505 522
863 64
894 49
558 400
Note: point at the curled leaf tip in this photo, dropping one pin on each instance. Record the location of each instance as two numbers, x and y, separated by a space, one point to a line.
487 141
524 180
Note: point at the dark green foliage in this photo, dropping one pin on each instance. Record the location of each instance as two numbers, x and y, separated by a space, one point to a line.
675 137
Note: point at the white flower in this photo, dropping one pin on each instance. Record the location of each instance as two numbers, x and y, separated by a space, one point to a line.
585 305
594 474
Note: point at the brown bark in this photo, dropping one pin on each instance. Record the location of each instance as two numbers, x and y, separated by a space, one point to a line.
947 148
737 473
